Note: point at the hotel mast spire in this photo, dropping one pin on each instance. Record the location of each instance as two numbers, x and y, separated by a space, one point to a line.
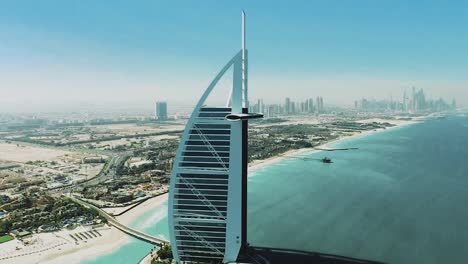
244 63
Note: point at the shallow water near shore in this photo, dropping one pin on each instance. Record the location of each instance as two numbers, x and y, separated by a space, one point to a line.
153 222
399 198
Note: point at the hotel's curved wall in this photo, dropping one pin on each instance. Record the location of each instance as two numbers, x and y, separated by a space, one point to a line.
205 198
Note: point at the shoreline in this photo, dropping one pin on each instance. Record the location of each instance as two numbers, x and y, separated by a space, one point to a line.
113 239
113 244
258 164
58 247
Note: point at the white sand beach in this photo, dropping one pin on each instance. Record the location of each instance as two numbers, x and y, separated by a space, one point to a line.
257 164
59 247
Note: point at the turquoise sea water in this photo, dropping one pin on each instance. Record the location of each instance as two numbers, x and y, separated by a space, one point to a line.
400 198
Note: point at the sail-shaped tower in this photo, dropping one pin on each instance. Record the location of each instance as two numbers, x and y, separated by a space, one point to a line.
208 190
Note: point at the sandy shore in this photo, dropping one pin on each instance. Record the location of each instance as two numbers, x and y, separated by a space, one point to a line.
258 164
60 248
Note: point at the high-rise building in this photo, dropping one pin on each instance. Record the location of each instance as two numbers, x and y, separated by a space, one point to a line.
161 111
207 208
287 105
405 106
319 104
311 105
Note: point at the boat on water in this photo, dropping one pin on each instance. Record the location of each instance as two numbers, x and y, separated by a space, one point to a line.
326 160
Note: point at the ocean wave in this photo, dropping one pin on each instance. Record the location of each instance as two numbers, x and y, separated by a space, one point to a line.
154 217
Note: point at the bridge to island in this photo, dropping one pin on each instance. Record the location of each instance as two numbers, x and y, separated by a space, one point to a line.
128 230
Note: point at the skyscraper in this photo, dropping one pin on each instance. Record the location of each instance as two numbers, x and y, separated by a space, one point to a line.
161 111
311 105
319 104
287 105
207 208
405 108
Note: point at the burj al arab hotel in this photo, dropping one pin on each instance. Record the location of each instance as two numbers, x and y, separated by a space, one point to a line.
208 190
208 194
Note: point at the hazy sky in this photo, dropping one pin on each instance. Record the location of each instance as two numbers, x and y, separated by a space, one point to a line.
81 52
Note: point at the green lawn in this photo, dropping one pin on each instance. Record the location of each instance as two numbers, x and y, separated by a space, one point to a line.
6 238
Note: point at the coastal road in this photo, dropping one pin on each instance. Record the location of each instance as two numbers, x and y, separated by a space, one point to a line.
108 172
128 230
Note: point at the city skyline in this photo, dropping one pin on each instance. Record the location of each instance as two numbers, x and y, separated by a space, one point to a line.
178 107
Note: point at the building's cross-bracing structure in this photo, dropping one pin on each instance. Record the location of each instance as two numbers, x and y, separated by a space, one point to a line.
208 190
